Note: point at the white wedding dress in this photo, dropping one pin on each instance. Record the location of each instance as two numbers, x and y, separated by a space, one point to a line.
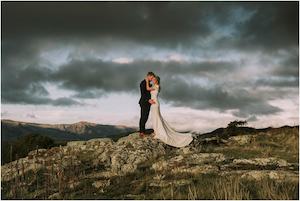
162 129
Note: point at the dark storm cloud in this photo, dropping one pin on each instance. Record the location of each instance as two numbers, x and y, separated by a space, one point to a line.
273 26
85 77
284 73
35 94
109 77
33 97
289 66
64 102
23 84
160 22
270 27
182 94
278 82
89 94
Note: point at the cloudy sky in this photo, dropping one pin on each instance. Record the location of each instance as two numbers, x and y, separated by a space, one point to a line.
218 61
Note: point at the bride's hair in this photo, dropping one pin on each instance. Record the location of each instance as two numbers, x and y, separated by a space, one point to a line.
158 82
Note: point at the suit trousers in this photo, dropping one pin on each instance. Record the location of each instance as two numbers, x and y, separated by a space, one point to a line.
145 109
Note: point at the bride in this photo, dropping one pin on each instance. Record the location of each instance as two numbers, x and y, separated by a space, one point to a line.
162 130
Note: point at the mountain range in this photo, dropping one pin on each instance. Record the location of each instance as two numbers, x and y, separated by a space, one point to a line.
82 130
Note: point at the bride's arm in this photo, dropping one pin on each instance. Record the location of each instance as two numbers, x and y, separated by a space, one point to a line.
153 101
157 86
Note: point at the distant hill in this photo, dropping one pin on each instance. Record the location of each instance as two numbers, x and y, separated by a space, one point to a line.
83 130
238 131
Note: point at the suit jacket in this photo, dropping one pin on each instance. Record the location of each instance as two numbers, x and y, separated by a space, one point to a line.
145 94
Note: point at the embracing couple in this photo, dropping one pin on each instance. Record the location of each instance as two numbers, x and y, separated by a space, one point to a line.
150 88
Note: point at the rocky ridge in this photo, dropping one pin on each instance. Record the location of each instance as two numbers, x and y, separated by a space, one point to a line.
102 159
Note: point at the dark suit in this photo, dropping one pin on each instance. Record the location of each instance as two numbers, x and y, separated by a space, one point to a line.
144 104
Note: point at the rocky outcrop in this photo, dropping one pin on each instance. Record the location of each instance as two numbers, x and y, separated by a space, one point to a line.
117 158
125 156
271 161
131 151
103 159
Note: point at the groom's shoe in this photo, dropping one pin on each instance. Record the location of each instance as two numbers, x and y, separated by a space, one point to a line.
142 135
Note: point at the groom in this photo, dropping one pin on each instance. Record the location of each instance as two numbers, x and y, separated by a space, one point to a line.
144 103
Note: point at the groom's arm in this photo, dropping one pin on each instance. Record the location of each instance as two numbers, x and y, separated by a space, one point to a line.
143 87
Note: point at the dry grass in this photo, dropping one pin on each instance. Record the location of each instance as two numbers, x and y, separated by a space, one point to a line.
282 143
272 190
230 188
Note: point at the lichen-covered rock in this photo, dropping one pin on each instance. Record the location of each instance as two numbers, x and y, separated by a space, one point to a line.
271 161
37 152
132 150
160 165
101 184
200 158
101 142
76 143
192 163
241 139
272 174
199 169
186 150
